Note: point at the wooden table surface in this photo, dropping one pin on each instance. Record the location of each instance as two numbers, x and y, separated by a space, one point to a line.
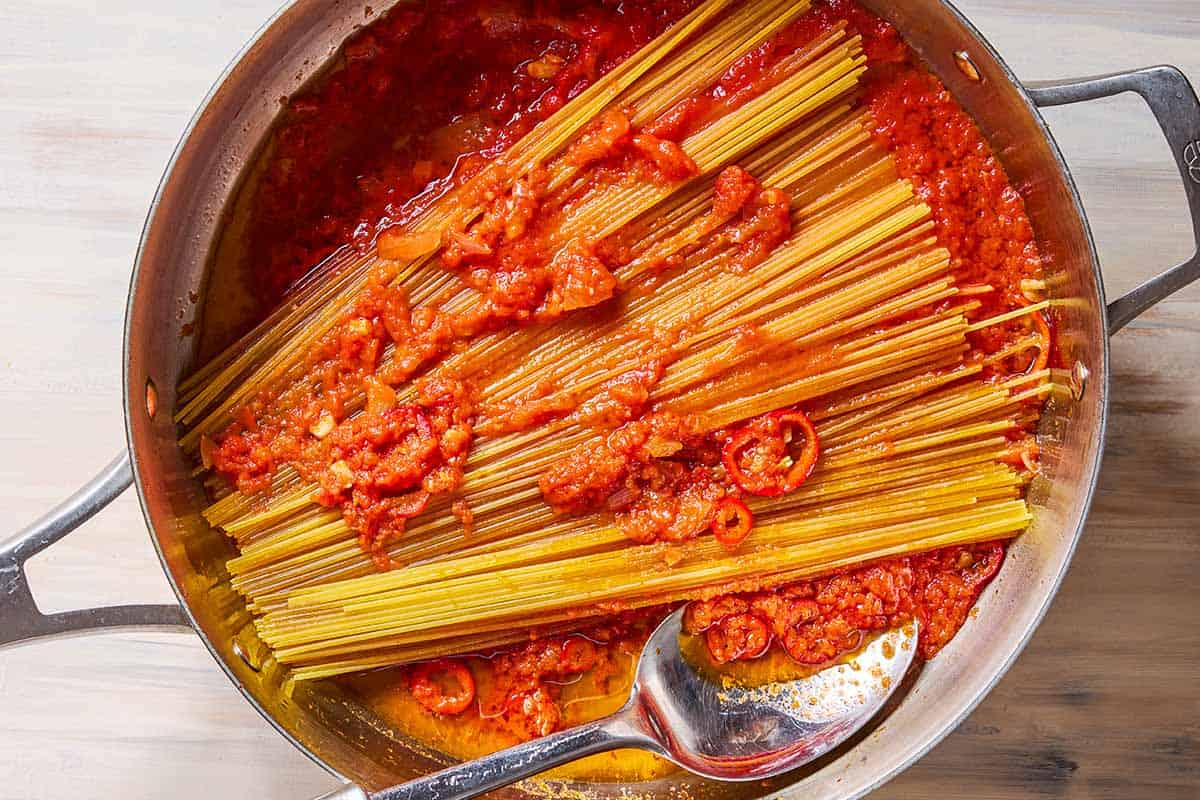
1103 703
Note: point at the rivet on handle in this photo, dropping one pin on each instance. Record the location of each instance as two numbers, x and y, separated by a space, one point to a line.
1191 157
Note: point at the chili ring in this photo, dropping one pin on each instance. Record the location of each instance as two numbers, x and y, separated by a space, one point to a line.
759 456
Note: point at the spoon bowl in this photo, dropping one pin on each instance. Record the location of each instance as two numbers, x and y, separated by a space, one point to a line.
703 723
724 731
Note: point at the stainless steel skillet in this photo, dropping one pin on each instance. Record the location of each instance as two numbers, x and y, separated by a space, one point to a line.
345 738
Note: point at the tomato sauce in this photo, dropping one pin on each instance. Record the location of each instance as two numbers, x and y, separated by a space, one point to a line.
520 272
419 103
820 620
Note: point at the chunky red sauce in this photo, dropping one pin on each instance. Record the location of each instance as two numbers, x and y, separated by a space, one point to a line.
819 620
423 99
513 258
420 101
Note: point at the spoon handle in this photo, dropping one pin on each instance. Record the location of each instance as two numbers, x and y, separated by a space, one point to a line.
473 778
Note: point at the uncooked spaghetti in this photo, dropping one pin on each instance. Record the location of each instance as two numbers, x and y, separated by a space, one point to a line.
696 336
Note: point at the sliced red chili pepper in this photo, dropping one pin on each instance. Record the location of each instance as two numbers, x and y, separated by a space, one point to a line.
443 687
737 637
742 469
802 465
761 458
732 522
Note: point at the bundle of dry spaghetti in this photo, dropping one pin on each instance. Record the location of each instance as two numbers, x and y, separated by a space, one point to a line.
919 470
684 60
854 316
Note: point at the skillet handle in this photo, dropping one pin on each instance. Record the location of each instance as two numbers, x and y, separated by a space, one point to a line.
1173 102
20 619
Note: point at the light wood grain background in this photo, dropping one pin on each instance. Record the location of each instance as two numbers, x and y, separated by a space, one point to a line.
1104 702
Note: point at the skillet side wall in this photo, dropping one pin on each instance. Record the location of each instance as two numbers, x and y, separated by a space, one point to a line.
172 259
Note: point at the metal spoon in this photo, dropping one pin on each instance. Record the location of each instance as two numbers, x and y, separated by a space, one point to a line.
720 732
